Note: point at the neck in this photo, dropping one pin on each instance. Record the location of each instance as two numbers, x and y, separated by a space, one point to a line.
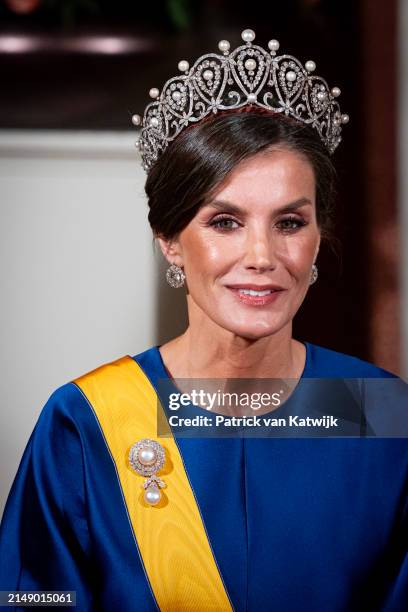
206 350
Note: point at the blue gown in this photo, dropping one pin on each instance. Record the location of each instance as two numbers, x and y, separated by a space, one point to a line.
318 524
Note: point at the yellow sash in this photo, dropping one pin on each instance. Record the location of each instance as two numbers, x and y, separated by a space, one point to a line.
171 536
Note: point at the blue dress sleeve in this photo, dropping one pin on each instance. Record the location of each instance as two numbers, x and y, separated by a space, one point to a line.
44 539
397 598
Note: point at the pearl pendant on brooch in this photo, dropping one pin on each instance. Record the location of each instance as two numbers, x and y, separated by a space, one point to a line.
147 457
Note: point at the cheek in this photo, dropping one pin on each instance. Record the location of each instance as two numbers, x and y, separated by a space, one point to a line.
206 255
302 252
298 253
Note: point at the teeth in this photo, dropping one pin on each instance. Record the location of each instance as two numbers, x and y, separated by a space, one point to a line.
252 292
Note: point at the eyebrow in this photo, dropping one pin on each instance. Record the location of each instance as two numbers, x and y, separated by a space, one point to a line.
234 209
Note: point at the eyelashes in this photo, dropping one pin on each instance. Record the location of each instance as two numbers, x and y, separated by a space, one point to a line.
295 223
218 223
287 225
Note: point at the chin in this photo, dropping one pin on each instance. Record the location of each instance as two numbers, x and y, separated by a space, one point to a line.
254 332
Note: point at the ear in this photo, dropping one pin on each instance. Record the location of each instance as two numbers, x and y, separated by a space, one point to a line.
171 250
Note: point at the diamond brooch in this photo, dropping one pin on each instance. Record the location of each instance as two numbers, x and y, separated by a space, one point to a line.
147 457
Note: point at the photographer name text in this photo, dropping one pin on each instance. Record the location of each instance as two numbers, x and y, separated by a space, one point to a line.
325 421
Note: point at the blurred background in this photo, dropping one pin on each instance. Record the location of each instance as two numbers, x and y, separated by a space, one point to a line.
81 283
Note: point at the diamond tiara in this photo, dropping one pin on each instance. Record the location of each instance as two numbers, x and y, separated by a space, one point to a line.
249 75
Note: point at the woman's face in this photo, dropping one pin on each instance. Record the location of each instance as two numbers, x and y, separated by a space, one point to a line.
258 232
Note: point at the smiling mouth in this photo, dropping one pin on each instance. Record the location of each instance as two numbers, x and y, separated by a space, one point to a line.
258 293
252 297
255 290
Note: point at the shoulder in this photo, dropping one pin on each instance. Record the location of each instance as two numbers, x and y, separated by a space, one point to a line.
61 417
71 403
65 402
382 395
146 353
326 362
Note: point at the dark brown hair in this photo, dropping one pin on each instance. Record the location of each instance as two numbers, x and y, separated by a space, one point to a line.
203 154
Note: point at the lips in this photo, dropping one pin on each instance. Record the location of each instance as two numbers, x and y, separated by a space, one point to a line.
245 294
256 287
255 293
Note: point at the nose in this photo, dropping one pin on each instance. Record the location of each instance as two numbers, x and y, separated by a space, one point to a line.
260 250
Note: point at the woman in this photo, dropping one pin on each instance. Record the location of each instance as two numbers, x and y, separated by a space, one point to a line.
131 520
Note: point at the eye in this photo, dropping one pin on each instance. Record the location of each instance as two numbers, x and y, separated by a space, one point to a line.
222 223
291 224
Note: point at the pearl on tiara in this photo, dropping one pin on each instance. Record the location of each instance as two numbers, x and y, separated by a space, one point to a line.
250 64
249 75
273 45
248 35
224 45
183 66
154 92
